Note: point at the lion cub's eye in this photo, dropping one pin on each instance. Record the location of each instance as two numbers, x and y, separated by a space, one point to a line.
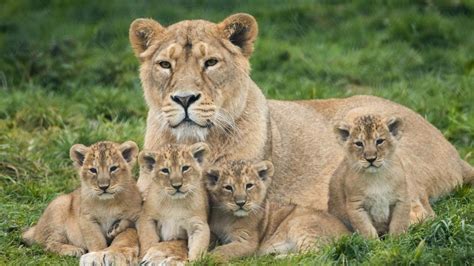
359 144
113 168
165 170
165 64
228 188
210 62
380 141
93 170
249 186
185 168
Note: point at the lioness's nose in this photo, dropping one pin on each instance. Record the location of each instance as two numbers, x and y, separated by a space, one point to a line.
185 100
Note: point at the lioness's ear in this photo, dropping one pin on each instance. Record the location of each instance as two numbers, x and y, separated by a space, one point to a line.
342 131
241 30
142 32
394 125
129 151
199 152
212 176
78 154
264 169
147 160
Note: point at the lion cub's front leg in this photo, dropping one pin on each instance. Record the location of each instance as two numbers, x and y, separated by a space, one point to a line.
147 233
92 234
400 217
243 243
198 238
360 219
118 227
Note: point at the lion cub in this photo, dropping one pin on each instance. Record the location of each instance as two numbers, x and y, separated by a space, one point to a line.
176 206
369 190
245 222
107 203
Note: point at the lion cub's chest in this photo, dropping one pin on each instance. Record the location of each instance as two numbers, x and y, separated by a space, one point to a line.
173 224
379 197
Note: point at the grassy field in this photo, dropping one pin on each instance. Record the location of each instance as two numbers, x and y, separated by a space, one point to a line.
68 75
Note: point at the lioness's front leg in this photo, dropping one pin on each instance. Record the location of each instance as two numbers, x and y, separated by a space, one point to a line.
147 233
360 219
400 217
92 234
198 238
242 244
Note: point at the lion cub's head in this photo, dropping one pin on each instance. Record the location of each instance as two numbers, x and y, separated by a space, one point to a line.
175 168
239 187
369 140
105 167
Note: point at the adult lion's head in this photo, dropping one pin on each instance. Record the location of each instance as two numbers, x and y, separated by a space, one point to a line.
195 73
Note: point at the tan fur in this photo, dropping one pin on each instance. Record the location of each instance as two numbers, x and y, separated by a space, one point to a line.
90 217
258 225
236 121
177 204
369 189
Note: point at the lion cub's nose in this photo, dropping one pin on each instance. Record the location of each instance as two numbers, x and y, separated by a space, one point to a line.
371 159
240 203
177 186
104 187
185 100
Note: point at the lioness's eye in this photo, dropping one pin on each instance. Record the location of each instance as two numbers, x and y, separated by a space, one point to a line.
249 186
380 141
359 144
113 168
210 62
165 64
229 188
93 170
185 168
165 170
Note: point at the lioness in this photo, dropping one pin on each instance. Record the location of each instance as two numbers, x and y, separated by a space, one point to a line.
369 189
245 222
177 202
94 215
196 80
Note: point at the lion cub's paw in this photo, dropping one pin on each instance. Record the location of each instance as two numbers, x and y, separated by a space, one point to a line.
117 228
104 258
72 251
155 257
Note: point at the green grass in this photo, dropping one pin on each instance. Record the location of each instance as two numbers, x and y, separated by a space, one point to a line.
68 75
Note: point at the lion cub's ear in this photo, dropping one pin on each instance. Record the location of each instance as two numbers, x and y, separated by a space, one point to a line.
78 154
211 177
241 30
264 169
147 160
394 125
129 151
141 34
199 151
342 131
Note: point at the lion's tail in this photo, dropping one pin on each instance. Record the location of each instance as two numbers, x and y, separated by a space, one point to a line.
28 237
468 173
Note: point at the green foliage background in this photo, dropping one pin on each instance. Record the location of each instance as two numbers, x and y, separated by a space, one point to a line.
68 75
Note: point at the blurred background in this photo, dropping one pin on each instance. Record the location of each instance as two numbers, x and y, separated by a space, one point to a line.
68 75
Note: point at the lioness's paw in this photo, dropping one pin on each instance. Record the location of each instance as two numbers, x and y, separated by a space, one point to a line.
73 251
